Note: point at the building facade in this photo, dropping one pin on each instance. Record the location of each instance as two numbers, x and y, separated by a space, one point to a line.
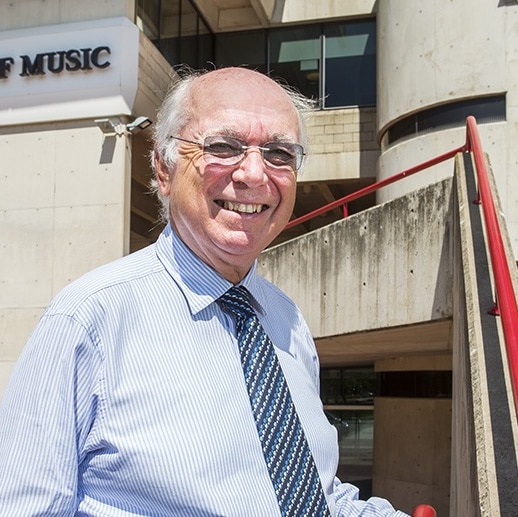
393 83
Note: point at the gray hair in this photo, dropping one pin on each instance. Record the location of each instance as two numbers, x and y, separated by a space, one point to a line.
175 114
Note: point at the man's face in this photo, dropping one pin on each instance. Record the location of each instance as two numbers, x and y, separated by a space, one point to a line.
228 214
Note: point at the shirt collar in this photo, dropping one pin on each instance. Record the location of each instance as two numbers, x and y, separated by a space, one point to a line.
200 284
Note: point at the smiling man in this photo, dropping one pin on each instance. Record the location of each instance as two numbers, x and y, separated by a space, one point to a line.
227 209
176 381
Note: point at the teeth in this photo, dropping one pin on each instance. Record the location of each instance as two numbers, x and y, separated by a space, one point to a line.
241 207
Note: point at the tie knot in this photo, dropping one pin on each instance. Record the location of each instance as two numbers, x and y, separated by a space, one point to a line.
237 301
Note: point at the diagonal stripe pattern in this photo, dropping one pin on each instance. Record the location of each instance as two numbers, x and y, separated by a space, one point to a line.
286 451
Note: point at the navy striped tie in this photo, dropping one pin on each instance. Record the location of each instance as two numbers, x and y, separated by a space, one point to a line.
286 451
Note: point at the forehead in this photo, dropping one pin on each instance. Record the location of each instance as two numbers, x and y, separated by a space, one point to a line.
242 103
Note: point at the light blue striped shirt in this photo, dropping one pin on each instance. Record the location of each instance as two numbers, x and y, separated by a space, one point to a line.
129 399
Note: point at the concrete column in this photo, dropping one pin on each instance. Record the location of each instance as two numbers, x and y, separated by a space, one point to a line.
63 211
431 53
412 438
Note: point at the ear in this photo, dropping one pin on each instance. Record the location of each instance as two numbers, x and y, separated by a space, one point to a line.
163 175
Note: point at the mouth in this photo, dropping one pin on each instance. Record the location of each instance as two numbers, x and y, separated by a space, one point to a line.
242 208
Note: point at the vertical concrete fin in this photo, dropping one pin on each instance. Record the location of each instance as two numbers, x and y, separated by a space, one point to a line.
484 463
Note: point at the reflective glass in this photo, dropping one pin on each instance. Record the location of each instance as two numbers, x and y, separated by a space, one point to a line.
350 64
294 56
242 49
348 397
334 63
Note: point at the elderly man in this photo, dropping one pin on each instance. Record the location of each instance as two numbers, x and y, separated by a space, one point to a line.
176 381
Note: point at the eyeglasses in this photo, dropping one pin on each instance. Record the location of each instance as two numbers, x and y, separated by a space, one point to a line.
227 151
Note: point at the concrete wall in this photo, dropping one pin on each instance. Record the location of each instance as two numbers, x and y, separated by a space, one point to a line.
485 429
343 145
62 212
387 266
432 52
230 15
425 61
65 197
17 14
464 492
154 79
413 466
296 11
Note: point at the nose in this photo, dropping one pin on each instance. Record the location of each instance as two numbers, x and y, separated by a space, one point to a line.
251 170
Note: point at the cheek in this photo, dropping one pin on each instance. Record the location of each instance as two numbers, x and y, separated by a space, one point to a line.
190 194
287 191
184 183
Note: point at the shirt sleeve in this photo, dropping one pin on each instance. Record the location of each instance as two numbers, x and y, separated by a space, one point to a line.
348 504
46 414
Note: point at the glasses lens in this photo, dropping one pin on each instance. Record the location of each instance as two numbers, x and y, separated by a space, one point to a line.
226 150
283 154
222 149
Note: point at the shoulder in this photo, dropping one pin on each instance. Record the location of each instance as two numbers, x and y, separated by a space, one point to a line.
280 311
272 298
106 281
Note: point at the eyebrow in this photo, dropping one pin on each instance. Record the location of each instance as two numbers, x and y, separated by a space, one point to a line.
232 132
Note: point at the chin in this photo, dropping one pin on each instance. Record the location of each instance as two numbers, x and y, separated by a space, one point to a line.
243 244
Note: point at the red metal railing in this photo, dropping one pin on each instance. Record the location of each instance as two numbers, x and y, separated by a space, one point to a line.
505 296
344 201
506 305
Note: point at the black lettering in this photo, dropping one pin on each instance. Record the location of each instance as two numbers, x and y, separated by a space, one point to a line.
95 57
54 67
5 66
86 58
73 60
32 67
56 62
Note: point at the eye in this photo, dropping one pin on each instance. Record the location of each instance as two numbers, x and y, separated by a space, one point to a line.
222 147
280 154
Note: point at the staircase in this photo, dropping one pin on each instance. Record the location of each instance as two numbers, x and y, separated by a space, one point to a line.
409 286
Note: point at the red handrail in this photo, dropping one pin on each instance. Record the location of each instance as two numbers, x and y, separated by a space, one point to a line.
504 291
373 187
505 296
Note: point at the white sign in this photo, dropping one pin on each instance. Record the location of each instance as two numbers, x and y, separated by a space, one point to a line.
69 71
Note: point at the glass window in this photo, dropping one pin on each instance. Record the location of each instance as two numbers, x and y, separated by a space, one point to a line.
348 397
242 49
453 114
295 57
346 77
178 30
169 42
195 40
424 384
205 45
355 429
334 63
148 18
352 386
350 64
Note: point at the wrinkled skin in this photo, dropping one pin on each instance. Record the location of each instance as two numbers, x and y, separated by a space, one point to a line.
229 237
